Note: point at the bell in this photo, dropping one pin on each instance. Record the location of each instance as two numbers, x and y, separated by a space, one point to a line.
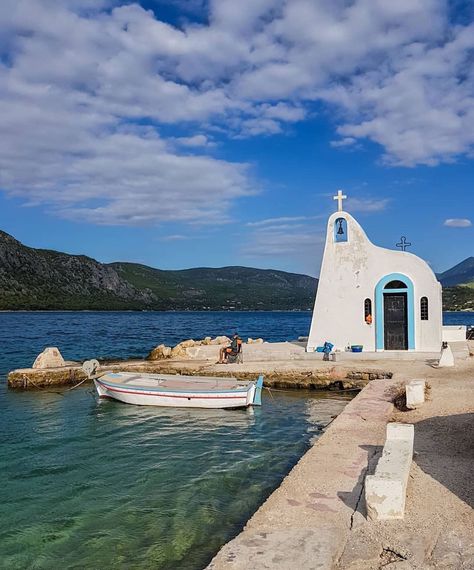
340 231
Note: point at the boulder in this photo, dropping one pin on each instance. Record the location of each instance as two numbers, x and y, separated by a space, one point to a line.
187 343
255 341
178 351
220 340
49 358
206 341
159 352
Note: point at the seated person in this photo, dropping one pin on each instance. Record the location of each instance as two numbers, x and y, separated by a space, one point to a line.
232 349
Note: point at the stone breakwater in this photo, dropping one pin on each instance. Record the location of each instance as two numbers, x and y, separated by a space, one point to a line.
285 365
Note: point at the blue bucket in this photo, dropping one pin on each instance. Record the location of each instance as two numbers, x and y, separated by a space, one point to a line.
357 347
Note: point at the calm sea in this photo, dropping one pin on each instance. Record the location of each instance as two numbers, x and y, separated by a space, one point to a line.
99 485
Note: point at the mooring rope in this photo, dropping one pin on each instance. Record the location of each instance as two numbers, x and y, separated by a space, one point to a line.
27 381
270 392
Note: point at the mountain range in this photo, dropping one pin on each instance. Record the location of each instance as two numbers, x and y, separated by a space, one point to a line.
43 279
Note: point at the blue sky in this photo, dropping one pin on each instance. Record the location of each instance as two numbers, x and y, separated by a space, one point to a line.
192 133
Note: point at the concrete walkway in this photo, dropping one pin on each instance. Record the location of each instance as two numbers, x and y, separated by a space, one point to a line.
316 519
305 523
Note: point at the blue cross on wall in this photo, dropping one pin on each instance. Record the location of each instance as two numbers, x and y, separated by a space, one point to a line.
403 243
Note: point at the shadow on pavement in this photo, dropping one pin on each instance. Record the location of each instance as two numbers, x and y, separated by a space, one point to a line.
445 451
354 499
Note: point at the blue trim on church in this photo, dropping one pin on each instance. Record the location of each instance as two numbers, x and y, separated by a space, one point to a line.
379 316
340 225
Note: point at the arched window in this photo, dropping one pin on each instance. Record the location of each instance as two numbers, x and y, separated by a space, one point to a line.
424 308
395 285
368 311
340 230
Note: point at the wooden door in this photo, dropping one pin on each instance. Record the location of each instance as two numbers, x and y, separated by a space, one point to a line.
395 321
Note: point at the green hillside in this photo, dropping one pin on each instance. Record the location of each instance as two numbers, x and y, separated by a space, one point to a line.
43 279
459 298
240 288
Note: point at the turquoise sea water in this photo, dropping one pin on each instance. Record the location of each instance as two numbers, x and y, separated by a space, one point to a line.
90 484
98 484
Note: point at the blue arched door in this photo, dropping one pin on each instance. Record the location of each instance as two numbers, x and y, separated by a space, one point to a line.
394 313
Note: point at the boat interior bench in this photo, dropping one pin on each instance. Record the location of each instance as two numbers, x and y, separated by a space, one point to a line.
176 382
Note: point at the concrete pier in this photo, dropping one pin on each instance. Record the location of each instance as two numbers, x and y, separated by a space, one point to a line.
284 375
317 518
321 499
284 364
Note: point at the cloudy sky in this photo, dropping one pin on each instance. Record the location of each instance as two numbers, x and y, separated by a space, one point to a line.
183 133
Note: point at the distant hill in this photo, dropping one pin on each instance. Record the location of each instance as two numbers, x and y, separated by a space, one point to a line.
221 288
460 274
44 279
458 286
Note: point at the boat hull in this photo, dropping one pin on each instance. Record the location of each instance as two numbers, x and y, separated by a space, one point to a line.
137 395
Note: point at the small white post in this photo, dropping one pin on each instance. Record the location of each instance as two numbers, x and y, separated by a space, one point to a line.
446 358
415 393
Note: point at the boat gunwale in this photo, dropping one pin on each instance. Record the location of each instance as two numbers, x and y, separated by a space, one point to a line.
183 395
124 387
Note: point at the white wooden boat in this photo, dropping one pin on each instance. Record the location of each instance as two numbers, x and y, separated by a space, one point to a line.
179 391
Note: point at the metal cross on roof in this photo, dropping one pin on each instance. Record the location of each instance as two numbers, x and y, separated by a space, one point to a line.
403 243
340 197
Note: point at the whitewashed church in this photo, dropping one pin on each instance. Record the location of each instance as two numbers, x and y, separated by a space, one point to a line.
372 296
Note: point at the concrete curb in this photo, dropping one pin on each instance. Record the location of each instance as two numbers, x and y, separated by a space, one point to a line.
385 492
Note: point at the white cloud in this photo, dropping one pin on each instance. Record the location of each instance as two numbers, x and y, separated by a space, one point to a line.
195 141
174 237
346 141
297 239
366 204
281 220
284 241
457 223
78 77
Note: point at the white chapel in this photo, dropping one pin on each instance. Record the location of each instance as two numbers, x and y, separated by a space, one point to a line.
371 296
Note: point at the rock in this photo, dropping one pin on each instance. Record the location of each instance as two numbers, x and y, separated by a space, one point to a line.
49 358
178 351
360 552
206 341
220 340
159 352
250 340
258 341
187 343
